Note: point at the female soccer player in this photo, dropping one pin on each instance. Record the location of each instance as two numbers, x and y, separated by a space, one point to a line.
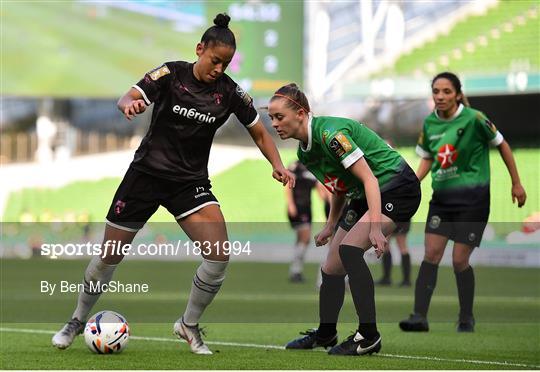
454 146
299 214
191 101
352 162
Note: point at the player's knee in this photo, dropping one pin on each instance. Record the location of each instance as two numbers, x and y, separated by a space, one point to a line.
460 263
212 272
433 256
333 268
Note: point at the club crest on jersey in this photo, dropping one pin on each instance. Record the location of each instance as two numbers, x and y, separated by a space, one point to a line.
246 98
217 98
351 217
447 155
340 145
159 72
119 206
460 132
325 135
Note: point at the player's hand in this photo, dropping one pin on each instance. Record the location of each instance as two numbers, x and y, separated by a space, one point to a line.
284 176
519 194
291 209
324 236
379 242
134 108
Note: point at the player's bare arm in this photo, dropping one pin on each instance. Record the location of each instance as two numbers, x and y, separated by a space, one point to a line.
264 142
373 195
131 104
518 192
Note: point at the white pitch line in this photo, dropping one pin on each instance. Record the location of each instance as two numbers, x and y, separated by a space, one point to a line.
277 347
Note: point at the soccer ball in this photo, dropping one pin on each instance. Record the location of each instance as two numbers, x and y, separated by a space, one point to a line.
106 332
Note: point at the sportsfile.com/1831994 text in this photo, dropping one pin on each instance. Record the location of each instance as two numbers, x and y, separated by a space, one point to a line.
115 248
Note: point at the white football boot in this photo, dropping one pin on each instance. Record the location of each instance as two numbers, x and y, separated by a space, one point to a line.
192 335
64 337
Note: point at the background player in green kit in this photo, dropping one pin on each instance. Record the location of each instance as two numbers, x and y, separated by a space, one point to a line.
454 146
356 164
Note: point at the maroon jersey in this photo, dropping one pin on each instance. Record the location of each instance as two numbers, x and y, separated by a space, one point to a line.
186 115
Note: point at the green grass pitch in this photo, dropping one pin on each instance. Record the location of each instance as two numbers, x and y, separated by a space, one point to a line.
258 311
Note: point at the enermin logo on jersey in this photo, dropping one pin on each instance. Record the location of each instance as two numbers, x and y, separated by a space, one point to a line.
193 114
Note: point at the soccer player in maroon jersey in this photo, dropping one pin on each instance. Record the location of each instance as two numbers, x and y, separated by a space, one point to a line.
170 168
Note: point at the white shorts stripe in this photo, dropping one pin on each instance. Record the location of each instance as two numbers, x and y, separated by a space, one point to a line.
195 209
116 226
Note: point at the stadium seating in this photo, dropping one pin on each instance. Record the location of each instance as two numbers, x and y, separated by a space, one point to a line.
508 35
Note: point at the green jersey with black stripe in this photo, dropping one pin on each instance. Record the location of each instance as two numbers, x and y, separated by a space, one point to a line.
334 144
459 147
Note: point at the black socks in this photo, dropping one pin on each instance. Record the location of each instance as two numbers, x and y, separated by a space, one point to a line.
406 267
465 286
362 288
331 296
425 284
387 266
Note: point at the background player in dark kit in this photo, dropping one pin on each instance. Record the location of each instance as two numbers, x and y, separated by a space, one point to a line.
454 146
400 236
355 163
300 216
191 101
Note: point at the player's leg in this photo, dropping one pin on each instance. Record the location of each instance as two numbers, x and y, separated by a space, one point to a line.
469 228
401 241
332 289
465 284
98 272
439 229
205 227
366 339
132 202
303 237
331 297
386 262
425 283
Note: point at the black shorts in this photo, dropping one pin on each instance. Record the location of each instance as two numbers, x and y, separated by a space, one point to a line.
140 194
398 204
302 218
462 226
403 228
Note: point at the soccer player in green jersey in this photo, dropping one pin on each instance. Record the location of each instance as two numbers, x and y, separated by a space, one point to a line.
454 146
354 164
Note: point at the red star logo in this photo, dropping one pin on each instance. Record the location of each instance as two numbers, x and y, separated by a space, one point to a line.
447 155
334 184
